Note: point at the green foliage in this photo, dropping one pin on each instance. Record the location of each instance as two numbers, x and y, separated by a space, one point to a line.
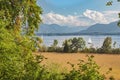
89 50
54 47
18 64
66 46
18 21
118 21
55 43
21 18
109 3
116 51
55 72
106 47
20 15
16 59
86 71
9 54
114 44
74 45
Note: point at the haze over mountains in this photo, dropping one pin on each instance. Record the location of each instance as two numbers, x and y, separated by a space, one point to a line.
111 28
103 28
54 28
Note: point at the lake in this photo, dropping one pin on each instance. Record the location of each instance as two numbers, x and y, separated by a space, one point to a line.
97 40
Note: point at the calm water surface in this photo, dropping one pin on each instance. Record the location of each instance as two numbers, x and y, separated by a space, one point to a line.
97 40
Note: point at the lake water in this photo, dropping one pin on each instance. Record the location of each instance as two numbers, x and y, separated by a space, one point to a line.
97 40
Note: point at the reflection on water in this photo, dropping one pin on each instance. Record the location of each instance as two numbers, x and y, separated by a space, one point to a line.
97 40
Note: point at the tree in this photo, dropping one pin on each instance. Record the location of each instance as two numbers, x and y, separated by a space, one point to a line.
21 18
74 44
78 44
54 47
20 15
55 43
18 21
106 47
66 46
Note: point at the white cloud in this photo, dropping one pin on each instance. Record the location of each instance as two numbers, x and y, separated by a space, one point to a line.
70 20
88 18
111 16
110 12
95 16
102 17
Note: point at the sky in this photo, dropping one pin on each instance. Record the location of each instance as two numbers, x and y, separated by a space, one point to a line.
80 13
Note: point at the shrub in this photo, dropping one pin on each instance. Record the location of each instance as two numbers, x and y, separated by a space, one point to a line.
89 50
57 49
86 71
116 51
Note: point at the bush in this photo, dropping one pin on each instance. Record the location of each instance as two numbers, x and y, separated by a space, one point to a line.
57 49
116 51
51 49
89 50
55 72
86 71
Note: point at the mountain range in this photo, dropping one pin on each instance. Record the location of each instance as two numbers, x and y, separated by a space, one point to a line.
110 28
54 28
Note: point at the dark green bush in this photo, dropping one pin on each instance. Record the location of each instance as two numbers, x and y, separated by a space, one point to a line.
89 50
57 49
116 51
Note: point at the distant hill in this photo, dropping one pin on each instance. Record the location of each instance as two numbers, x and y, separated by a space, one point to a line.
97 29
111 28
54 28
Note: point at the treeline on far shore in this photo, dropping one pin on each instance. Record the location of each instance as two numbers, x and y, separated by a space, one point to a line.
75 45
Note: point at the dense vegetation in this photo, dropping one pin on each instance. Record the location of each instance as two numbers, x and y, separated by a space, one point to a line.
18 21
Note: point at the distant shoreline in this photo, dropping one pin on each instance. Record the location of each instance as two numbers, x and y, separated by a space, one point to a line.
76 34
